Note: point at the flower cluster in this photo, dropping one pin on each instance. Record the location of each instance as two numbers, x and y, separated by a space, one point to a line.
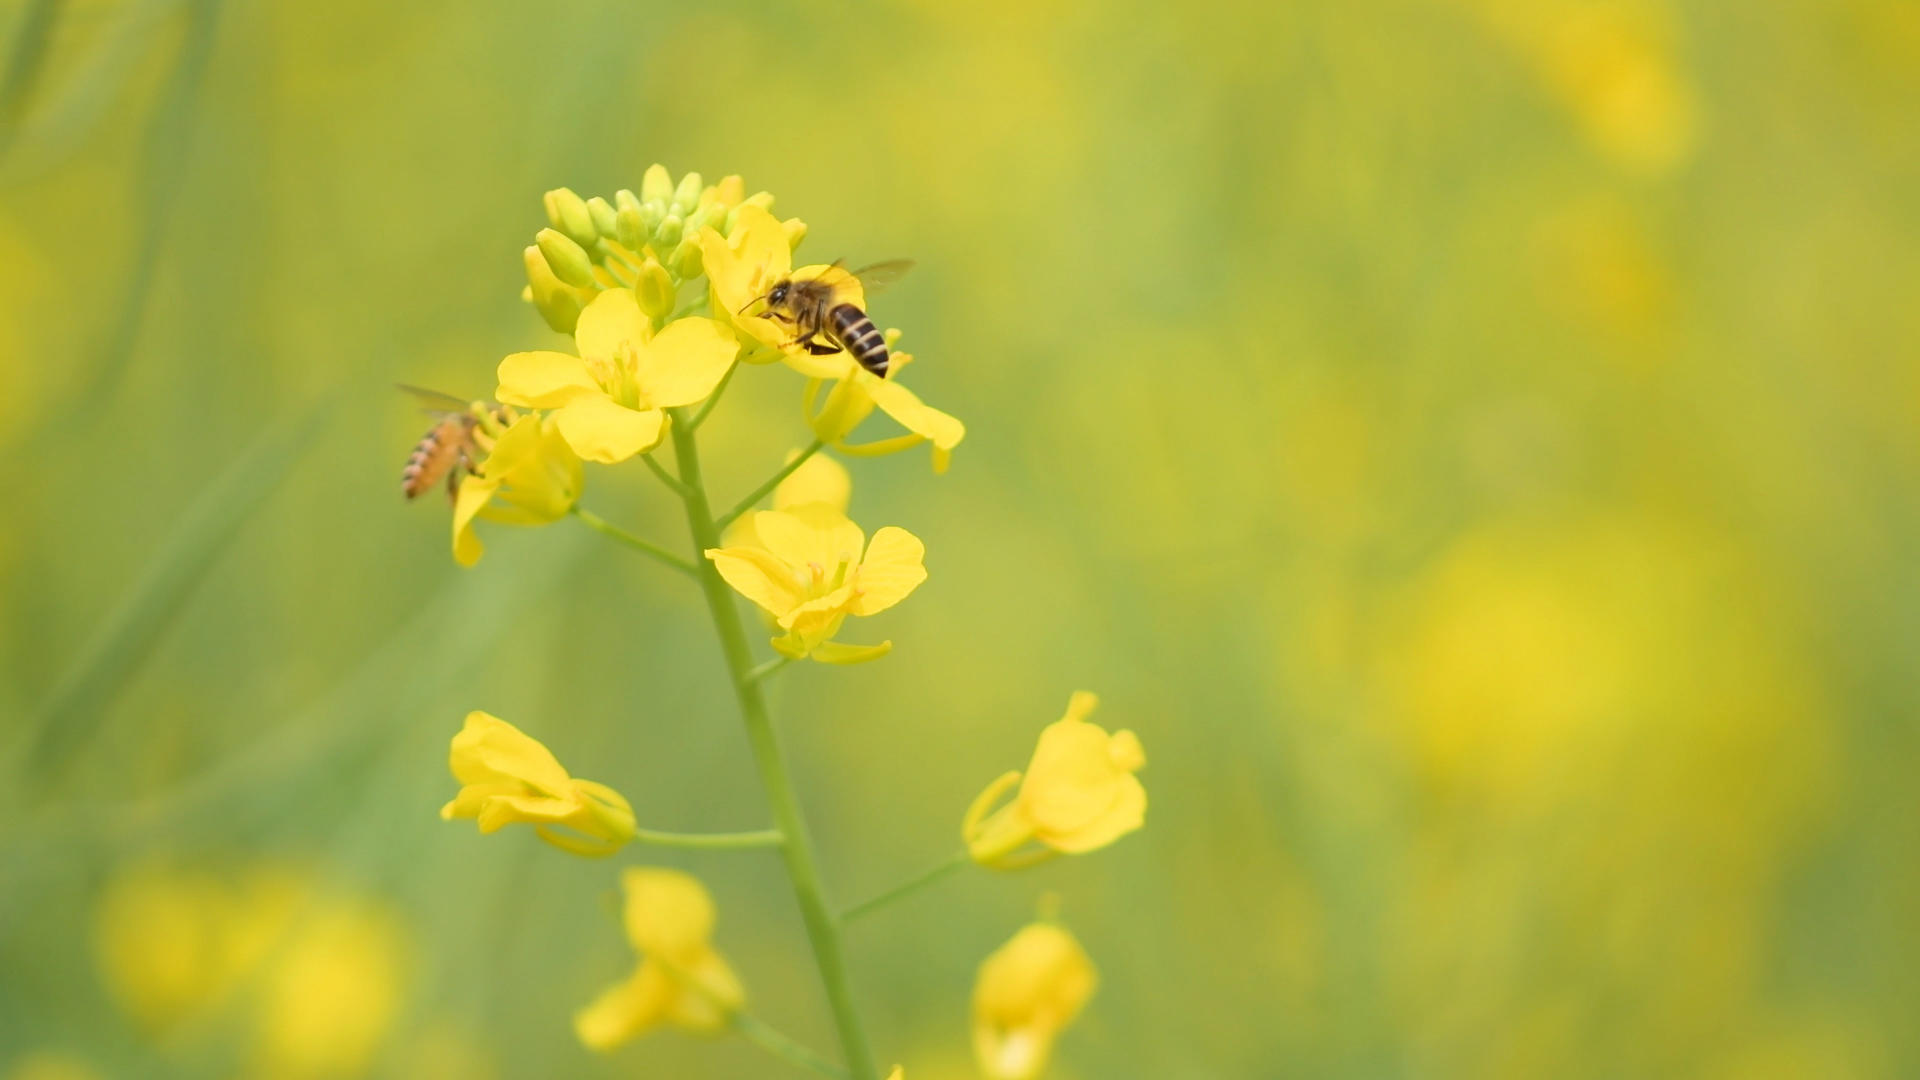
665 295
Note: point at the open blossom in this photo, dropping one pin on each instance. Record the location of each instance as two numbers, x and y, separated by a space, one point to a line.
531 477
609 402
742 266
1028 990
816 568
1078 794
681 979
509 777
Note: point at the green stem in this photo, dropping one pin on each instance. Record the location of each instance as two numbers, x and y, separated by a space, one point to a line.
673 483
713 398
802 868
602 525
773 1042
761 671
763 490
726 841
911 885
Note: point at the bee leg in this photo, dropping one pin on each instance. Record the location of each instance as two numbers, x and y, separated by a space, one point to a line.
819 349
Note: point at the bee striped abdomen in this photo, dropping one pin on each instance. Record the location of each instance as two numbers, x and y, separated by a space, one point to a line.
433 457
856 334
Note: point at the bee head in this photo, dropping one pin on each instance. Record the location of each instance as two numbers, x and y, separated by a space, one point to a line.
778 295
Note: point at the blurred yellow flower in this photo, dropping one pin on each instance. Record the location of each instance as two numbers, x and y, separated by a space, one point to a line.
173 942
332 993
858 392
681 980
509 777
817 568
531 477
1079 794
609 401
1028 991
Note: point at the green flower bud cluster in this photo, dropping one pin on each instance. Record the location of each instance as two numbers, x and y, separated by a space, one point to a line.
648 242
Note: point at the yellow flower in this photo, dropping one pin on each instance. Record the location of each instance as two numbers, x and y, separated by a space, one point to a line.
1079 794
1028 990
531 477
742 266
858 392
509 777
817 568
681 979
333 992
609 401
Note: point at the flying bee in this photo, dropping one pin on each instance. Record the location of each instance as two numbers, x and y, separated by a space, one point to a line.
449 447
817 307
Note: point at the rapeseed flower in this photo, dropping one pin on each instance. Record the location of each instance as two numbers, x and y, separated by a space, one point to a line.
1028 990
1078 794
819 480
816 568
742 266
530 477
508 777
609 402
681 979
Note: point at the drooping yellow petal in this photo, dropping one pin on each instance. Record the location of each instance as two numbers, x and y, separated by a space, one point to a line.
1072 780
812 536
474 493
612 320
759 576
1127 812
892 569
685 362
906 408
543 380
600 429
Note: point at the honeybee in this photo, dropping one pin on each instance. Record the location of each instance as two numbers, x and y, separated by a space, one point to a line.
814 308
449 447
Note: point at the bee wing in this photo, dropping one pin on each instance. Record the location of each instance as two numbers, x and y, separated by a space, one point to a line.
882 274
433 401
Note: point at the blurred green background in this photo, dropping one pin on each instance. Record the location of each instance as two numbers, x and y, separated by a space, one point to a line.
1472 443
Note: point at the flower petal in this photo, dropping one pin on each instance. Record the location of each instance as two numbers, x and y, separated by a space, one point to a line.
489 750
600 429
760 577
625 1010
813 535
1072 780
1127 812
543 380
613 319
944 431
685 361
667 912
474 493
891 570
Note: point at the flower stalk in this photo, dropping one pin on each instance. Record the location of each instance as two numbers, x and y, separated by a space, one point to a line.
802 866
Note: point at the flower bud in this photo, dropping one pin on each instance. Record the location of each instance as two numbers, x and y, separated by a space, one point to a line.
667 233
654 290
687 195
656 186
625 199
796 231
686 259
568 259
569 214
602 213
630 228
560 304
